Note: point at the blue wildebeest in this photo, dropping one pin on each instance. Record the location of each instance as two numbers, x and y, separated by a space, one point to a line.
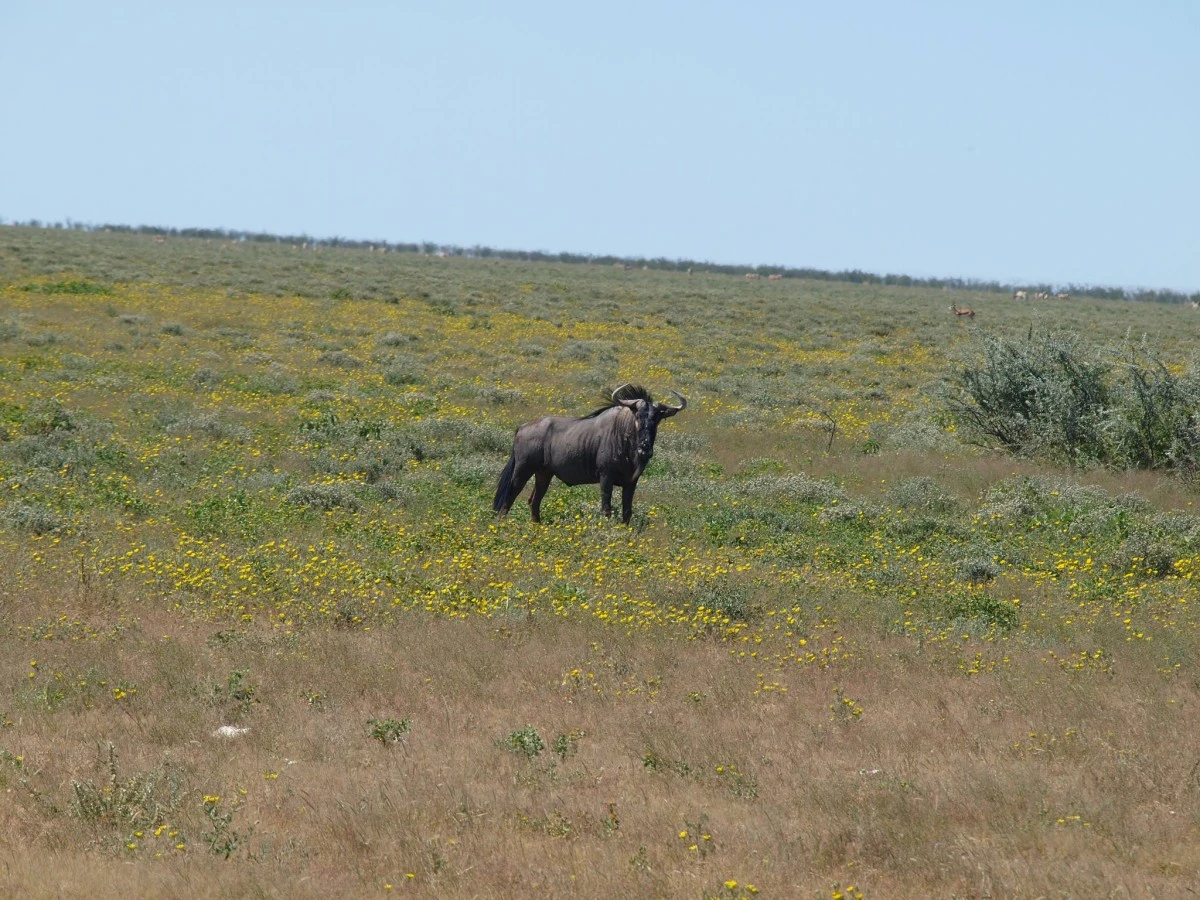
611 446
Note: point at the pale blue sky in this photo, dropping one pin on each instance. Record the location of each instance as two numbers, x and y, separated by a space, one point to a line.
1019 141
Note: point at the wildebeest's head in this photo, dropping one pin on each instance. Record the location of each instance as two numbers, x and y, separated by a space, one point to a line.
648 413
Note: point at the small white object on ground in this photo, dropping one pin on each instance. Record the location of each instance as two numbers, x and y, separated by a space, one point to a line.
230 731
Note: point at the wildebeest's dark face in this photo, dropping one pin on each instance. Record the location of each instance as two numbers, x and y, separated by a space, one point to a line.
648 415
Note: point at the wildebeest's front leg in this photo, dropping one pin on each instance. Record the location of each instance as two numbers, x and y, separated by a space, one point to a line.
627 501
541 484
606 489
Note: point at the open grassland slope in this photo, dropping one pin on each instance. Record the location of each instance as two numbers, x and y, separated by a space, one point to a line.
250 485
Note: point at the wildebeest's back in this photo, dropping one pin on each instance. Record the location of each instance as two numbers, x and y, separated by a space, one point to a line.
576 451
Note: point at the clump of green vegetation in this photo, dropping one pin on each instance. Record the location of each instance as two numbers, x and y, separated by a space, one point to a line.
728 599
1057 396
236 695
32 518
979 606
323 496
566 744
525 741
222 838
403 370
48 416
141 800
977 568
69 286
389 731
339 359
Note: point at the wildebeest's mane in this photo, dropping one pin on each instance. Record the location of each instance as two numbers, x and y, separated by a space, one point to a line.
626 392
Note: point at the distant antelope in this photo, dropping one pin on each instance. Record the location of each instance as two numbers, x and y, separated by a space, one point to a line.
1195 305
1063 295
751 276
1020 295
1041 295
774 278
964 311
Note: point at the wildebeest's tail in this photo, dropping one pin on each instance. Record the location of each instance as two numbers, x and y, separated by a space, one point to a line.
502 489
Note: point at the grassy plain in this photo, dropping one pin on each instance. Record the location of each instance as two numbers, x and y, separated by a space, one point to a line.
837 653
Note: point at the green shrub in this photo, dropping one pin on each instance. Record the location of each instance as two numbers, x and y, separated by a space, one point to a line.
211 425
976 569
1055 396
727 598
525 741
48 416
339 359
71 286
32 518
982 607
396 339
798 488
323 496
404 370
853 513
237 696
921 494
1156 421
141 800
389 731
1146 554
1046 395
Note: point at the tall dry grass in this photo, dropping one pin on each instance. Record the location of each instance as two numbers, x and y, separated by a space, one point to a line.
1033 782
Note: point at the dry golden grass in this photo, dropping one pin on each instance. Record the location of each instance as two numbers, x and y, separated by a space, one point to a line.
1033 782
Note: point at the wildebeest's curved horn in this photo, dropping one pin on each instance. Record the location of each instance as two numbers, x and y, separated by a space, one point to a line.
669 410
618 390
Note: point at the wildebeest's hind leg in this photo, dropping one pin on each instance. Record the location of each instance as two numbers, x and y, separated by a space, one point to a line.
541 484
627 501
512 482
606 489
